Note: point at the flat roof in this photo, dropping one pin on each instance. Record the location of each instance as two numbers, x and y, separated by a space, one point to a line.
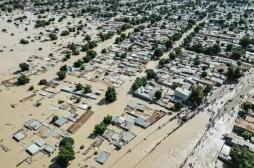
102 157
33 149
19 136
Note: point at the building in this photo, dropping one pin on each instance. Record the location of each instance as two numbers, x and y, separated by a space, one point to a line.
19 135
182 94
102 157
33 149
147 93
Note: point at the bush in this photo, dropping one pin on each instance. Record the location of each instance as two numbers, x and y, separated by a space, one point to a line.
42 82
78 63
22 80
54 119
79 86
107 120
178 106
63 68
37 104
87 89
158 94
31 88
66 141
24 66
65 33
23 41
53 36
100 128
61 75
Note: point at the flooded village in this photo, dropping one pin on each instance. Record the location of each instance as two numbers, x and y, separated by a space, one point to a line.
114 83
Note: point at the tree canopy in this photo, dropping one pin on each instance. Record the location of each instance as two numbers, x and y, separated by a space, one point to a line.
138 83
22 80
241 157
237 53
24 66
197 95
61 75
66 152
110 94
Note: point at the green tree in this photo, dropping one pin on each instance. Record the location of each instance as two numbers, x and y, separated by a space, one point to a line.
207 89
61 75
157 53
85 48
78 63
245 41
246 135
241 157
23 41
204 74
110 94
24 66
107 120
229 47
66 152
100 128
163 61
63 68
54 119
53 36
234 73
237 53
178 50
168 44
22 80
172 56
87 89
66 141
158 94
178 106
91 53
138 83
150 74
79 86
197 95
43 82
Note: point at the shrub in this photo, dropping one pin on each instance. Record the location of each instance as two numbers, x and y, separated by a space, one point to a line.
61 75
43 82
22 80
23 41
24 66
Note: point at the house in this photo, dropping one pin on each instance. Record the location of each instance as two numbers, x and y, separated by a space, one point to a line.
33 149
182 94
122 122
19 135
225 153
142 122
102 157
146 93
40 143
33 124
60 121
49 149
